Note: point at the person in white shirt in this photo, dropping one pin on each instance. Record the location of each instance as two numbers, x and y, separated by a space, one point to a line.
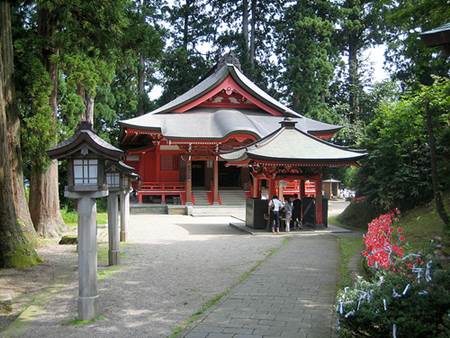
275 204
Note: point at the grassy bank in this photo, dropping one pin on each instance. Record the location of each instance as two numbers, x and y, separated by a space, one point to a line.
350 259
71 217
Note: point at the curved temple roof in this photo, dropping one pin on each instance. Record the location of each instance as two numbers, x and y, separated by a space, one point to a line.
289 144
211 123
219 122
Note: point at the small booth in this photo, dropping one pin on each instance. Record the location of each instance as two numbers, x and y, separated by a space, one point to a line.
289 154
330 188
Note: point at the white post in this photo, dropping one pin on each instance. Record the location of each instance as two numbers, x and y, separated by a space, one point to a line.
87 258
113 228
124 214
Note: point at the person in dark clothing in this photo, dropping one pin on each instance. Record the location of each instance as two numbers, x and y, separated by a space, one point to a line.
297 212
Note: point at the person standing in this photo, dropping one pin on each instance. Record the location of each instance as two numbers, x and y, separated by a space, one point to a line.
288 207
276 205
297 212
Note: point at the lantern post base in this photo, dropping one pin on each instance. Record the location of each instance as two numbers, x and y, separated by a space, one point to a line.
113 228
87 308
87 252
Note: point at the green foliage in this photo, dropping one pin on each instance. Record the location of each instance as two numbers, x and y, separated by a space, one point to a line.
397 170
309 60
358 214
38 128
411 61
414 314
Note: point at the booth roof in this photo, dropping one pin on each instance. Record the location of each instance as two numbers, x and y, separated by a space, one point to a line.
289 144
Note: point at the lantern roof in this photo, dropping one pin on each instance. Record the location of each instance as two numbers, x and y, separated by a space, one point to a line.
291 145
125 169
85 138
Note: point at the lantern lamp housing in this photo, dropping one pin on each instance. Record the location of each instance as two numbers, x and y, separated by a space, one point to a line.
86 153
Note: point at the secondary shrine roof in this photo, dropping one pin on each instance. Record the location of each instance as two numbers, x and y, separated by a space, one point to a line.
217 123
289 144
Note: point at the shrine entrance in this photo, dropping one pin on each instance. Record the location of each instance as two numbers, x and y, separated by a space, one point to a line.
198 174
229 176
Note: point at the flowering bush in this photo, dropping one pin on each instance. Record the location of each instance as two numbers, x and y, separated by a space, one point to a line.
408 295
383 241
396 305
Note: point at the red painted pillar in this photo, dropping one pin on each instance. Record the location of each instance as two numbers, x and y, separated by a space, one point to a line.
272 188
189 181
319 213
302 189
215 186
255 187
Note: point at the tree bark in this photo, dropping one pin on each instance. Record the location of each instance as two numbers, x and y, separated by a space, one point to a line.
141 85
253 35
88 114
187 10
434 174
44 190
17 236
353 80
245 28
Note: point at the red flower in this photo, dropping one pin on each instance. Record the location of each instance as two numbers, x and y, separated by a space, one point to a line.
402 238
399 230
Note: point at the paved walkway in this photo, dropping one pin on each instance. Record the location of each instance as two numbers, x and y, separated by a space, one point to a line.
289 295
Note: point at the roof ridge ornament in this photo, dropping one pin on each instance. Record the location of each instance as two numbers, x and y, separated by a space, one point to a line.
85 125
229 58
288 123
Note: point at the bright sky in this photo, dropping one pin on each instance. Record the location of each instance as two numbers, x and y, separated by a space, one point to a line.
374 56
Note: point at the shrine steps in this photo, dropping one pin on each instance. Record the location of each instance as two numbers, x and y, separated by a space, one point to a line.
200 197
232 197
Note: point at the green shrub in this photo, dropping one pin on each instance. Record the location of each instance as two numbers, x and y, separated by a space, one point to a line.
358 214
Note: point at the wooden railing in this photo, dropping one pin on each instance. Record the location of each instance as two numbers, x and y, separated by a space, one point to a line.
162 189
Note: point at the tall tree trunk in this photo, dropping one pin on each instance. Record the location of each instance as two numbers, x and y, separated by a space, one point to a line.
253 35
353 79
44 191
141 85
17 237
434 174
187 10
88 114
245 29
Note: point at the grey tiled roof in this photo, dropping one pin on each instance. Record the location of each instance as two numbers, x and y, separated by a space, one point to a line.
84 134
217 123
443 28
291 144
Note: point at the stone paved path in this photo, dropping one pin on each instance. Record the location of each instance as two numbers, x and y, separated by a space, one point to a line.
289 295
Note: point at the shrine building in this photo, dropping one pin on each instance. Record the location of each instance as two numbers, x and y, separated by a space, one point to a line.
176 149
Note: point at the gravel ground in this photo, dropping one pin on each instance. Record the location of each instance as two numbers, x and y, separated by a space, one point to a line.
172 266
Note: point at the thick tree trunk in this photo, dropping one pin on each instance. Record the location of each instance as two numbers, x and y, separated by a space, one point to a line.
434 174
141 85
245 28
44 192
253 35
17 237
44 206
